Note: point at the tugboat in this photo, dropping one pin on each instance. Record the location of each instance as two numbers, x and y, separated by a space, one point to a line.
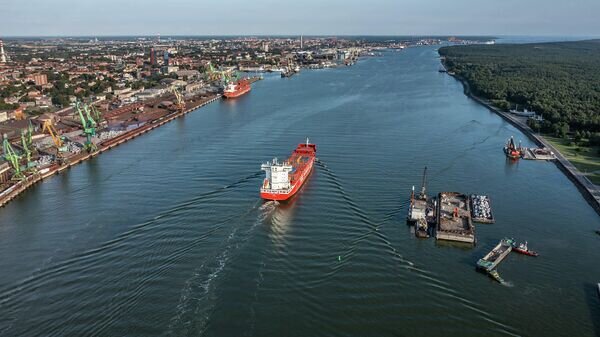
522 249
511 150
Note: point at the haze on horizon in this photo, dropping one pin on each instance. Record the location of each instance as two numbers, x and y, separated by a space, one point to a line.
308 17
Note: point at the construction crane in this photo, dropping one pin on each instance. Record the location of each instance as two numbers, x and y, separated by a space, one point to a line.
213 74
26 144
90 119
234 76
218 75
13 158
51 130
89 126
180 103
96 114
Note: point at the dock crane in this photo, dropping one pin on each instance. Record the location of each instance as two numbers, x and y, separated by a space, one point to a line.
13 158
214 75
26 143
180 102
96 114
89 126
51 130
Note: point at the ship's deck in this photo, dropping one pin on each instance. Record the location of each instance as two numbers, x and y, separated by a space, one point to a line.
449 227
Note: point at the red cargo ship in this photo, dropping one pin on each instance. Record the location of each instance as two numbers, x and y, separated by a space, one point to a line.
240 87
283 180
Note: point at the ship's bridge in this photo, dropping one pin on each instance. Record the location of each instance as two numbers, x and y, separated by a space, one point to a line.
277 174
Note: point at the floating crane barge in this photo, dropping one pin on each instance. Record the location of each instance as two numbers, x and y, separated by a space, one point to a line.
454 218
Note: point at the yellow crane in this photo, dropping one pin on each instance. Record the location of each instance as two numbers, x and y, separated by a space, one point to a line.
180 103
51 130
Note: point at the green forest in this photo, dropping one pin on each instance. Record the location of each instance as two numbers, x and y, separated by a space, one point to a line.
559 80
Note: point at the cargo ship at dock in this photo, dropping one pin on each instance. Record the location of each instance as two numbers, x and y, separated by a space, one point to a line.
284 179
237 88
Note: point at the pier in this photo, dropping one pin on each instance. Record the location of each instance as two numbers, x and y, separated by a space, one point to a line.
531 153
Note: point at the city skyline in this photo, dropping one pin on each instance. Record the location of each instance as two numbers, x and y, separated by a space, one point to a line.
235 17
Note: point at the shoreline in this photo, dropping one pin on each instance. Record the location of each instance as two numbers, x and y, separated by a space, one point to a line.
15 190
589 191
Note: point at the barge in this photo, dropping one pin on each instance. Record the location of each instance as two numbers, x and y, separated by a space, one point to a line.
491 260
481 209
453 216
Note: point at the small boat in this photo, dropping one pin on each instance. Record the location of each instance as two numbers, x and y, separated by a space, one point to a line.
522 249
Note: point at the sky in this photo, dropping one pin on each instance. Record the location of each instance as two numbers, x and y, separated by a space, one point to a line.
295 17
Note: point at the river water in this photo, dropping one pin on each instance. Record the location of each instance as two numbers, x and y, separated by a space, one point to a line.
166 234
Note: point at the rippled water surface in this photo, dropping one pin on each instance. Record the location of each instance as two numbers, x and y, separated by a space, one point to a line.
166 234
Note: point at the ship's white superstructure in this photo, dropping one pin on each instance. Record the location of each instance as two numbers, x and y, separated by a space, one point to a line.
277 175
231 87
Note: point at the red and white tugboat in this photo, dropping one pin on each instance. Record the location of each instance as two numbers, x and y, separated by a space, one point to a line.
284 179
237 88
523 249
